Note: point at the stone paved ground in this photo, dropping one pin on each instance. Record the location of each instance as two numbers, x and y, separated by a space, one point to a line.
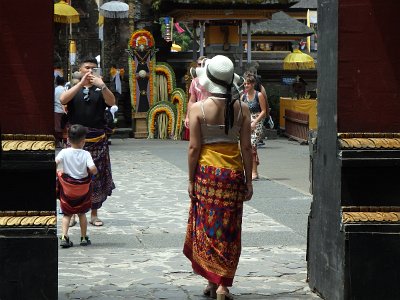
137 254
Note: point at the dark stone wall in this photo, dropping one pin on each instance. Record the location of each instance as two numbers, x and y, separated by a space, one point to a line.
28 253
26 80
369 66
325 251
358 92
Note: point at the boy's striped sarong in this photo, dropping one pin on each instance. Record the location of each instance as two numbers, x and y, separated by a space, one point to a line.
74 194
102 186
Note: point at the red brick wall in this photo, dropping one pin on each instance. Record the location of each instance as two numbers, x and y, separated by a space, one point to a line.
369 66
26 67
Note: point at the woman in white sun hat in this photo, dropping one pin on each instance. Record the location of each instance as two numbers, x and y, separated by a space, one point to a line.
220 162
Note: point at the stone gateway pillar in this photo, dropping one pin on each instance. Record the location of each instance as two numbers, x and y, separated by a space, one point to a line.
28 240
354 225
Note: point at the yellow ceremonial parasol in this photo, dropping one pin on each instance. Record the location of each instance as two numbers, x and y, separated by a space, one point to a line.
65 13
298 60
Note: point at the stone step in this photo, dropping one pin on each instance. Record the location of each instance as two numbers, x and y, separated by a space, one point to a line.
122 133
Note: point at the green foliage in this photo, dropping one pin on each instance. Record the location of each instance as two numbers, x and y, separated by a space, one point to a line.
184 39
156 4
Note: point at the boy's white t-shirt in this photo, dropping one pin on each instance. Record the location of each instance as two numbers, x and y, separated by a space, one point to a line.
75 162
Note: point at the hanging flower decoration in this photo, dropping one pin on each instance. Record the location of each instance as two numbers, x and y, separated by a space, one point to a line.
173 108
117 75
113 72
161 107
141 37
141 50
178 98
132 83
166 70
152 74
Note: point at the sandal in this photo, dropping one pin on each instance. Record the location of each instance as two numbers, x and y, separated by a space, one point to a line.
96 221
85 241
254 176
65 242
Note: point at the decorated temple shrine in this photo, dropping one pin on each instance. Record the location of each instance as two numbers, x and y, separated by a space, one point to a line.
158 106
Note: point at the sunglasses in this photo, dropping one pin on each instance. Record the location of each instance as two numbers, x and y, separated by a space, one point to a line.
86 94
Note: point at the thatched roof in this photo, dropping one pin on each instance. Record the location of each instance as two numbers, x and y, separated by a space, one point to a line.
280 24
224 4
233 2
305 4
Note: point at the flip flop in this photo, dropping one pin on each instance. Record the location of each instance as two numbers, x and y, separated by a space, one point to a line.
96 222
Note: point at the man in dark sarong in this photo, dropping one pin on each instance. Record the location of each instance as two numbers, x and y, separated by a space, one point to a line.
86 103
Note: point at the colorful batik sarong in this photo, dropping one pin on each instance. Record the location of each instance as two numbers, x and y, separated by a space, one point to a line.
97 145
213 236
258 133
74 194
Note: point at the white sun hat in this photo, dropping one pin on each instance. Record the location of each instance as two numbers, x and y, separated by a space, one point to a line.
238 80
221 68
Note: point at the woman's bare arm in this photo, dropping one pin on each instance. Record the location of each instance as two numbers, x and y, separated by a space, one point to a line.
264 93
245 147
263 105
194 145
195 139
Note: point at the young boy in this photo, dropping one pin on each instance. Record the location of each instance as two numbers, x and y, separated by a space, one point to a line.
74 183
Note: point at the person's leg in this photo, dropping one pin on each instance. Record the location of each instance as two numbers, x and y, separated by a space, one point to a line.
83 224
94 219
65 242
72 221
65 224
58 129
210 289
223 293
254 172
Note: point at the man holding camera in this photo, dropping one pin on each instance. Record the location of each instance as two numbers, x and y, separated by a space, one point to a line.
86 103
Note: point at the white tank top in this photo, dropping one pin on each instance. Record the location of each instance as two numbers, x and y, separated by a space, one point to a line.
211 134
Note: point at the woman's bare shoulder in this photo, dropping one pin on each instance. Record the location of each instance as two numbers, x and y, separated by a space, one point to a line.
196 105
